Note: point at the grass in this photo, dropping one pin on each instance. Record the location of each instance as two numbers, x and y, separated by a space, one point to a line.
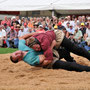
7 50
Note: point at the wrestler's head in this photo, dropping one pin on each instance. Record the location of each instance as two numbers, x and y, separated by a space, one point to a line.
16 56
33 43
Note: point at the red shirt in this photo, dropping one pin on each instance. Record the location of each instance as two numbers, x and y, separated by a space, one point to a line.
7 22
45 40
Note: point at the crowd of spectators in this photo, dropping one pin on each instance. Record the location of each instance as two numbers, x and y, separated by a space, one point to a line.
77 29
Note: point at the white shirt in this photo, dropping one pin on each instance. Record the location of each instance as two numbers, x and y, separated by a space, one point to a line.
26 30
88 32
2 33
21 33
71 30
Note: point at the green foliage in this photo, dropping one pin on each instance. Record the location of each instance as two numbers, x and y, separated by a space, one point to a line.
7 50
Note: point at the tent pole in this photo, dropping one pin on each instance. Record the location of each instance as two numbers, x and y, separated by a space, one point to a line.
26 13
53 13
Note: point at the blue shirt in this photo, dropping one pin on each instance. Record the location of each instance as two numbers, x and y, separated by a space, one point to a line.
31 57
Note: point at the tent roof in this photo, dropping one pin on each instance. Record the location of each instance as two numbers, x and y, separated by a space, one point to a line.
31 5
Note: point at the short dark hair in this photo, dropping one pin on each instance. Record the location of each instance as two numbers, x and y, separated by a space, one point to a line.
5 24
16 61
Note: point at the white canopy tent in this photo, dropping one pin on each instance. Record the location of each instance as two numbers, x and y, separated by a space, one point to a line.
34 5
30 5
25 5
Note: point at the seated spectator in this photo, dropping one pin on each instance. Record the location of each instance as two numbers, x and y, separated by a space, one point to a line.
70 32
87 31
26 28
77 35
86 44
35 28
87 47
83 30
40 29
30 24
21 31
6 27
67 25
12 39
65 31
55 27
17 28
31 30
2 35
60 26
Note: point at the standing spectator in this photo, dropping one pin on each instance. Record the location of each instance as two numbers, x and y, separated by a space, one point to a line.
18 19
14 21
6 21
2 35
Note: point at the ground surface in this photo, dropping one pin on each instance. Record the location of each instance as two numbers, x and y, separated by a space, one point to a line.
21 76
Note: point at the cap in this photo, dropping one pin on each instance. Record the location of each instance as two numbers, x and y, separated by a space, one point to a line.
41 26
25 24
13 18
12 27
55 27
68 22
59 23
82 24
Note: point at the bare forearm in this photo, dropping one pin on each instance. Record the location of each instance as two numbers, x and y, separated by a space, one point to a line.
53 44
46 62
28 35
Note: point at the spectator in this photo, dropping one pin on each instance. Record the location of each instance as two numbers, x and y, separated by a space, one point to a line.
21 31
12 40
6 21
70 32
40 29
83 30
6 27
26 28
13 19
60 26
18 19
77 35
2 35
87 32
